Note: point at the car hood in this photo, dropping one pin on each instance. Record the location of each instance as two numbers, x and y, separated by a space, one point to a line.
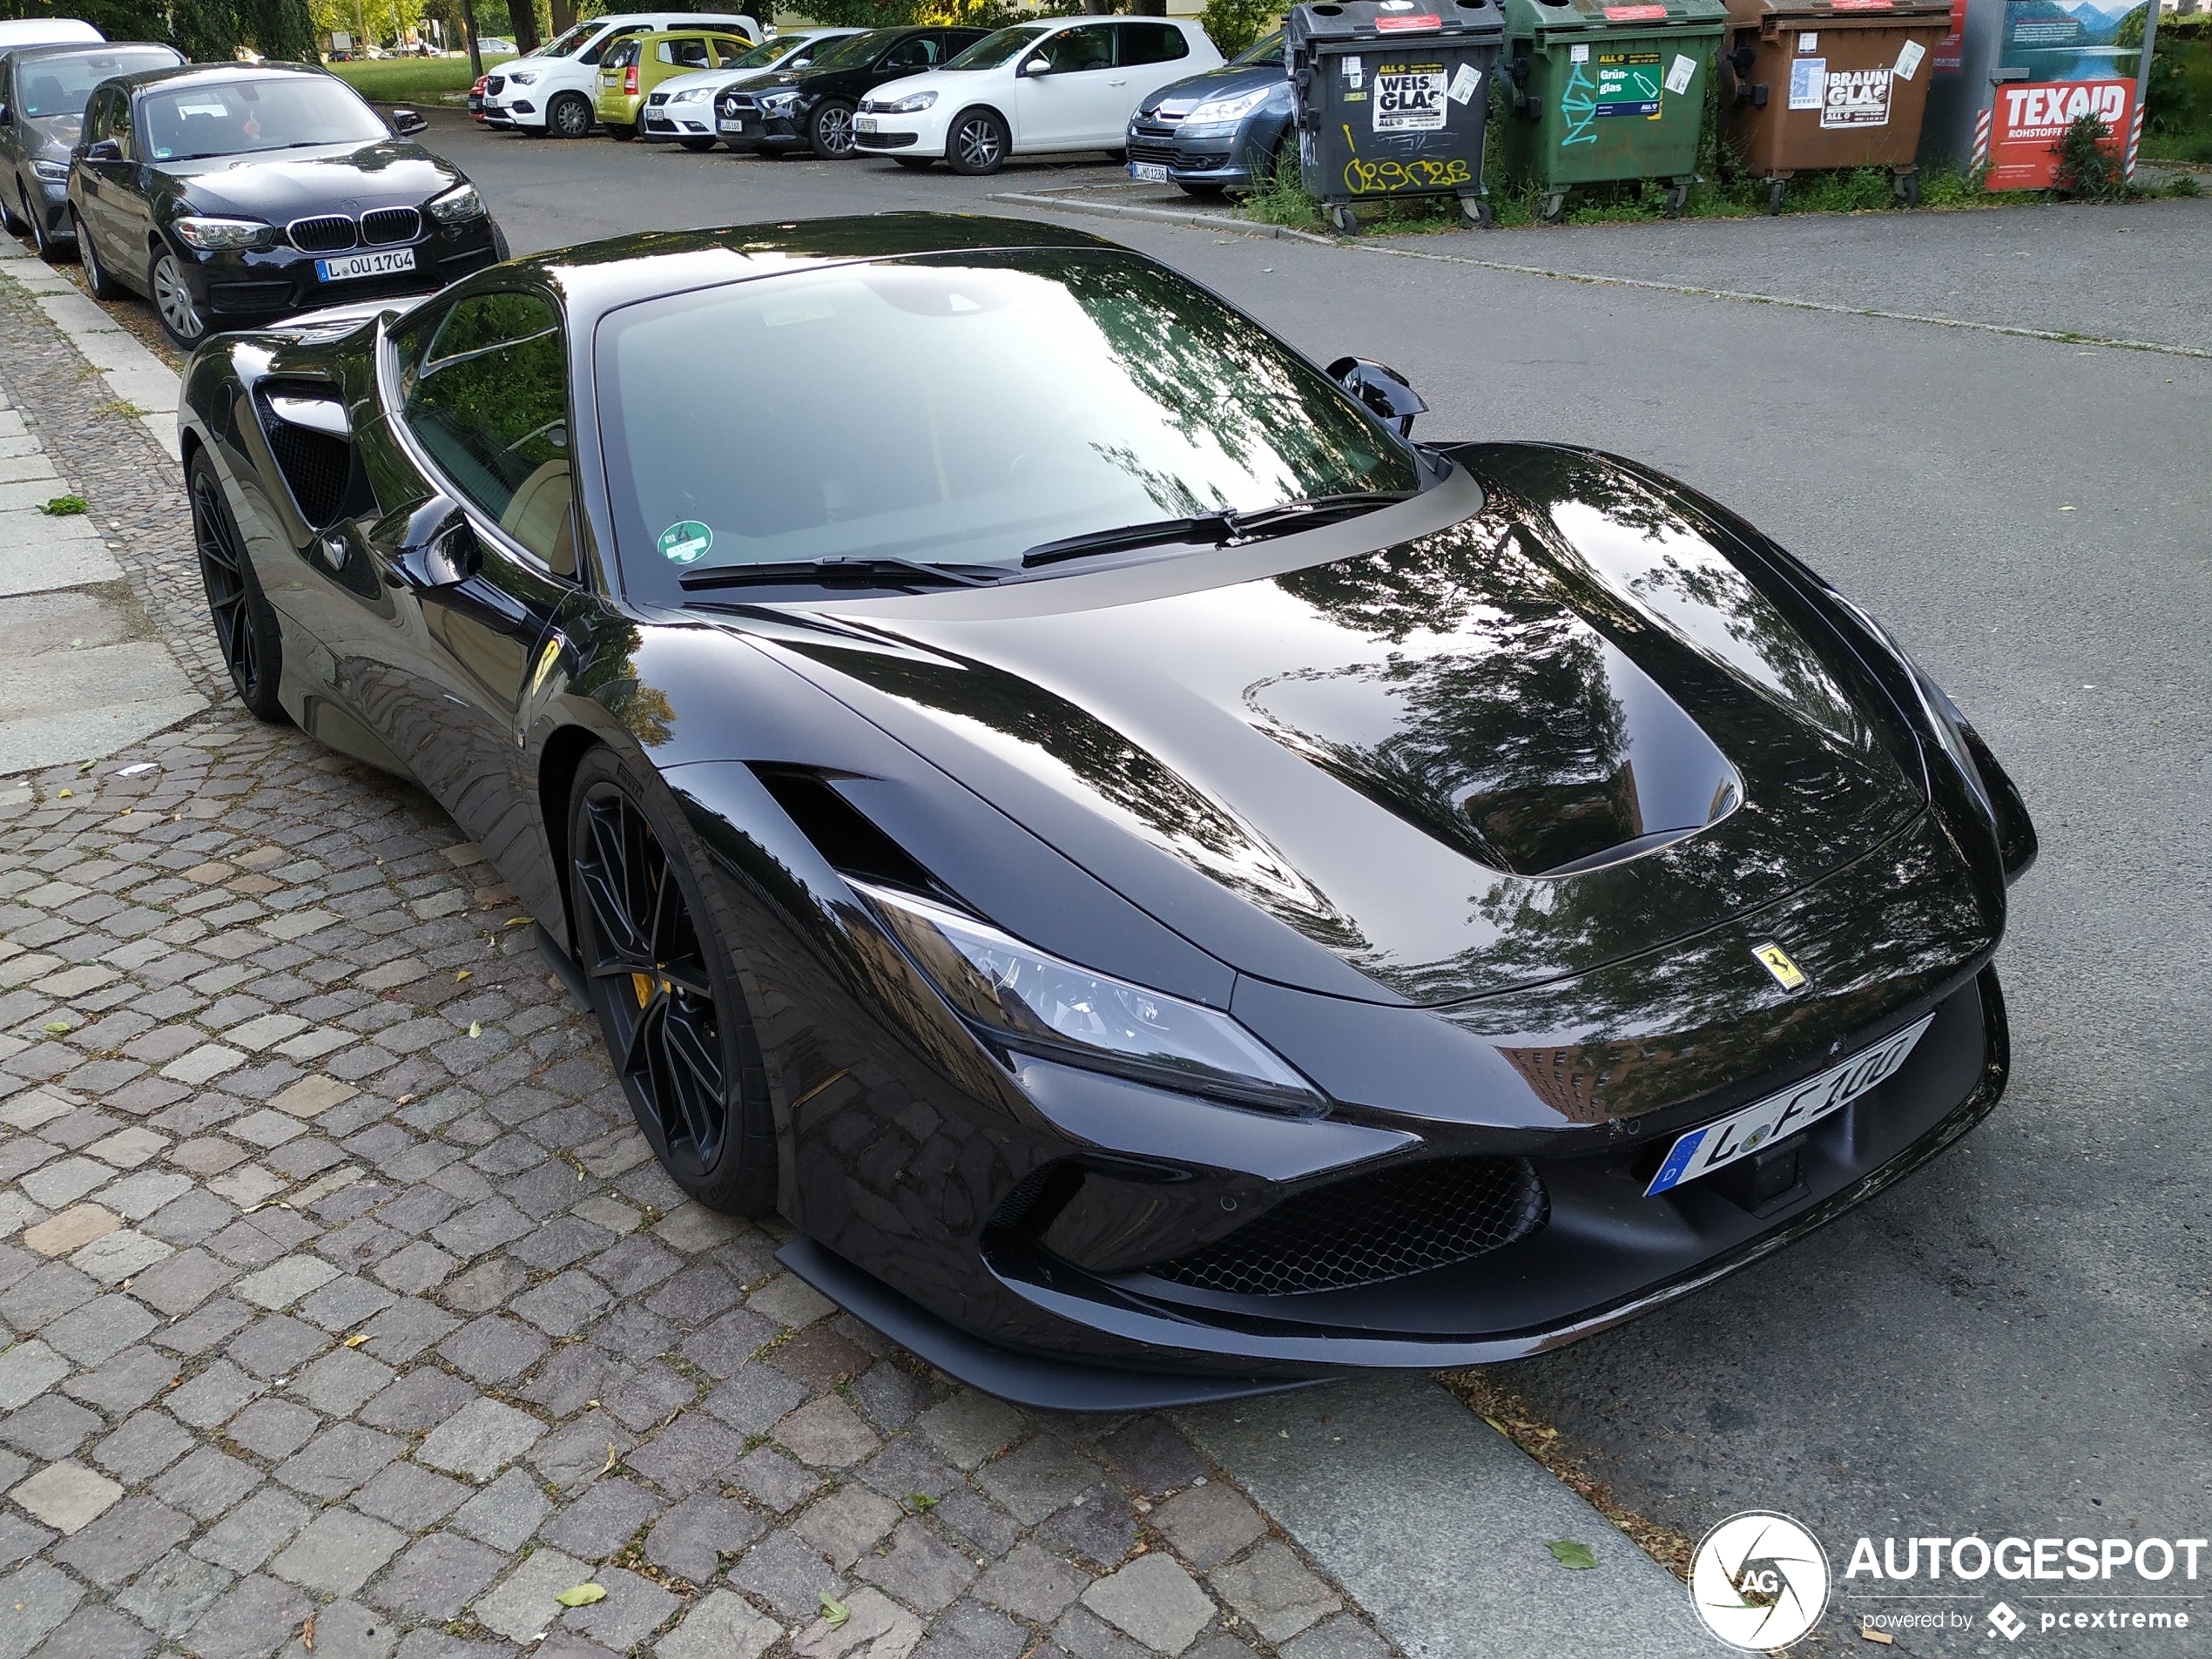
292 183
52 136
1180 97
1564 728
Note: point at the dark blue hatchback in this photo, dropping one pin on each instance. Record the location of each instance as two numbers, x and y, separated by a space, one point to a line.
1227 129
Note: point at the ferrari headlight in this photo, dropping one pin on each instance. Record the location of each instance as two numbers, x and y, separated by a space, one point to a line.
1042 1005
209 235
1226 109
1940 713
457 204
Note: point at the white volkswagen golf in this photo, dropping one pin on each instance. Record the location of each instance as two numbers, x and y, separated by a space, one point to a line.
1032 89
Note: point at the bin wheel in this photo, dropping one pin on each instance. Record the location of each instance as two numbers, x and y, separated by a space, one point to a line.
1908 188
1342 219
1476 211
1555 206
1677 198
1773 196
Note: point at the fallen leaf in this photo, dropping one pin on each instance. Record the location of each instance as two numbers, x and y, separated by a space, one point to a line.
476 1029
308 1634
582 1595
357 1338
834 1612
614 1455
64 794
1567 1553
1882 1637
520 921
405 1100
463 973
921 1501
59 1027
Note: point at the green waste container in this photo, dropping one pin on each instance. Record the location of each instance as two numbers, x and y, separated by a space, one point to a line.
1595 92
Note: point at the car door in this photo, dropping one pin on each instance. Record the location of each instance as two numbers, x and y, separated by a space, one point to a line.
468 577
105 185
1150 55
911 56
728 50
1066 107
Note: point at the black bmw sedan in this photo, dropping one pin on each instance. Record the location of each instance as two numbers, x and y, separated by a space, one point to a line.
42 92
812 108
1225 129
231 194
1168 884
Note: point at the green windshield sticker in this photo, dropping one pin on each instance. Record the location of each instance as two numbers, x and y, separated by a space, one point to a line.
686 542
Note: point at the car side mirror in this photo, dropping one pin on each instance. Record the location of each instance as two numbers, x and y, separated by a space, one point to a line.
438 548
407 123
104 150
1382 388
1035 66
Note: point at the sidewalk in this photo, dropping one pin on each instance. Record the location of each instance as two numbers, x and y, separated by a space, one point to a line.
342 1288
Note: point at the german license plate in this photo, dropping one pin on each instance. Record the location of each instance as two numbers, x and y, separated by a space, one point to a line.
729 126
864 123
365 265
1702 1151
1148 172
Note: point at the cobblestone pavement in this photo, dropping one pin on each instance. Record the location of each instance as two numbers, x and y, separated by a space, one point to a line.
346 1312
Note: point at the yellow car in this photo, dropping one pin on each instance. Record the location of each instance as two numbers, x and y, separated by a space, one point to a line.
635 66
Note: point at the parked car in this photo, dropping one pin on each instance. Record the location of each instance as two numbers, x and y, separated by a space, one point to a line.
812 108
1170 887
682 111
1032 89
490 45
1225 128
551 90
634 67
231 195
42 92
477 99
46 31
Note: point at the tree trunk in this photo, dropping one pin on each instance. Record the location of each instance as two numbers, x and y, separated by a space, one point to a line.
522 16
564 16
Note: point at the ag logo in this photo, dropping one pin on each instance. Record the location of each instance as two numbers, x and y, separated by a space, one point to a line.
1759 1581
1776 961
2007 1623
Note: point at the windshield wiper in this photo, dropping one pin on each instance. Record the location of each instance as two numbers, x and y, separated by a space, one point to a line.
1220 529
845 572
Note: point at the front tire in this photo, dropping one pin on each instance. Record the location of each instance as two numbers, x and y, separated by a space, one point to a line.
916 164
103 285
568 116
245 626
181 317
48 250
677 1024
697 147
977 145
620 131
830 130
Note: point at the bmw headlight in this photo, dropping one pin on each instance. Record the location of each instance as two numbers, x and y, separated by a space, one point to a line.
912 104
457 204
1218 110
212 235
1039 1004
523 78
53 172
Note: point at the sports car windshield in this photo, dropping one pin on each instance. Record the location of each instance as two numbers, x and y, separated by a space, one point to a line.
243 117
958 409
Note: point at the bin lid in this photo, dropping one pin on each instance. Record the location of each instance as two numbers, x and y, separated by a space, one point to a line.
1341 25
1547 18
1840 14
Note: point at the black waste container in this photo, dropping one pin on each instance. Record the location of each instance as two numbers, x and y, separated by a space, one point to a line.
1392 96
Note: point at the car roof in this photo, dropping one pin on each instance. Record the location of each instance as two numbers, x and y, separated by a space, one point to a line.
83 48
189 74
594 278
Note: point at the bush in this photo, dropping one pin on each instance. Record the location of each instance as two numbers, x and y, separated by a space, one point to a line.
1234 24
2086 171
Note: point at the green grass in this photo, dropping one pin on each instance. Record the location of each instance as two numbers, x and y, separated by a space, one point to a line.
2189 137
409 80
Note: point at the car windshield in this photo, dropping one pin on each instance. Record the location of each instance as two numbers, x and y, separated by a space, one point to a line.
768 52
568 45
962 408
995 50
1268 49
852 49
52 90
242 118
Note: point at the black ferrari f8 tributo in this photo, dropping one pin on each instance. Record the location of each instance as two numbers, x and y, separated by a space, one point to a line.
1172 886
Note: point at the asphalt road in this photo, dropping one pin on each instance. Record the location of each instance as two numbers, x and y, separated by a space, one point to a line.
2019 1340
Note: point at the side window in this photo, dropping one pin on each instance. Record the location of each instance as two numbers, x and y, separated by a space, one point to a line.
726 50
119 128
1152 43
614 37
1080 48
687 54
485 391
911 53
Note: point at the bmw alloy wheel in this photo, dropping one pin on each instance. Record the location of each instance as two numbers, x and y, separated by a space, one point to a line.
172 301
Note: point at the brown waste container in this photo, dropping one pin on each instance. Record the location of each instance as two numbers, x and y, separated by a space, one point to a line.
1806 85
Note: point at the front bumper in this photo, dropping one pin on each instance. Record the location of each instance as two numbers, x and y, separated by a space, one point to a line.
1209 156
785 130
254 287
672 123
899 135
513 110
50 200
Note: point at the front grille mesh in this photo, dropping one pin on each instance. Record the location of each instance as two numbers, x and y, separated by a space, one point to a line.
381 227
1372 1228
331 233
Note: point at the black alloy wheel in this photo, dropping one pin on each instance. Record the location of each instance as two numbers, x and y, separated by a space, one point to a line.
830 131
35 220
103 285
663 983
15 224
977 144
181 317
568 116
246 627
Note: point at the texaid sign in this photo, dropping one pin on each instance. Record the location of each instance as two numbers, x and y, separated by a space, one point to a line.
2029 120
